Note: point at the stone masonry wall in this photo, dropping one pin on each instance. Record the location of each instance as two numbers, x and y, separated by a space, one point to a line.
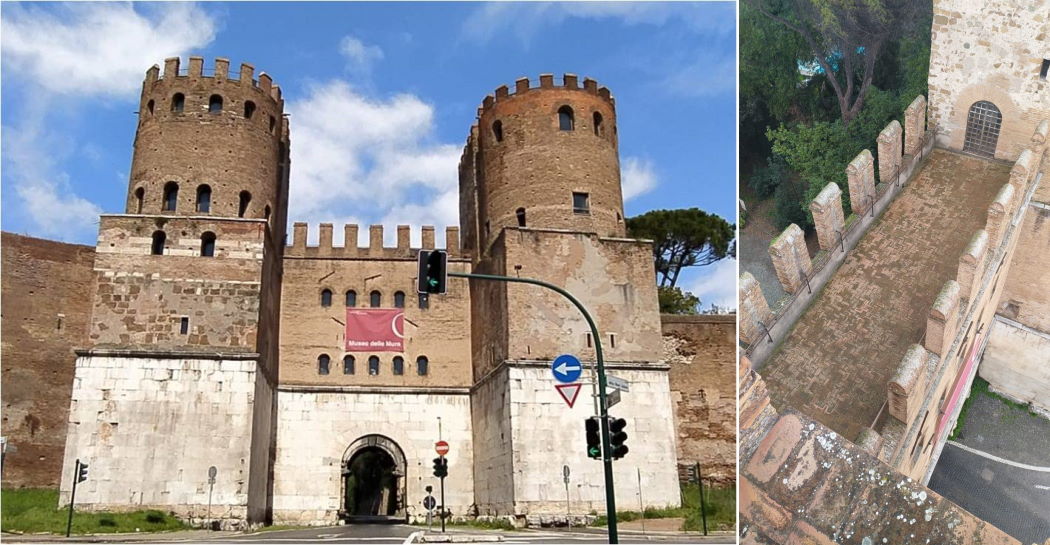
149 428
1027 296
861 179
548 435
753 309
701 352
315 427
890 150
46 304
991 51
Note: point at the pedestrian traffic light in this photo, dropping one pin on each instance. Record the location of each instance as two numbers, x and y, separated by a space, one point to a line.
82 472
440 467
617 437
594 438
433 271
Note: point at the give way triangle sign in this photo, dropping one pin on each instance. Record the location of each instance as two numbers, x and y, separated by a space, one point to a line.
569 392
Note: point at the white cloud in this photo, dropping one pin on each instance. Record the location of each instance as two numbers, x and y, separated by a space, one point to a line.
359 55
98 48
637 176
78 52
715 283
46 198
524 19
372 159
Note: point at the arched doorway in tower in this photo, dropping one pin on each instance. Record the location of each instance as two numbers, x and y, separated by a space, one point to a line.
373 475
982 129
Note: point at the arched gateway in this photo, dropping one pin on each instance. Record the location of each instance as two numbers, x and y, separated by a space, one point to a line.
373 489
982 129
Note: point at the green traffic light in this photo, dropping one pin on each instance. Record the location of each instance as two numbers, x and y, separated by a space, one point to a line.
594 452
432 282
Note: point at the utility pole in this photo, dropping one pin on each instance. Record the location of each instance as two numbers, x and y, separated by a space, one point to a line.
443 463
603 407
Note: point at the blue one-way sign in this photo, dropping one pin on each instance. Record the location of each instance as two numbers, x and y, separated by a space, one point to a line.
566 368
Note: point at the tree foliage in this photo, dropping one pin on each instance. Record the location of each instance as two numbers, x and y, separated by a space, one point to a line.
674 300
845 38
682 238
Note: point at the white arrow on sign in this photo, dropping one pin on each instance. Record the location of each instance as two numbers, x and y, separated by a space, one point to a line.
564 368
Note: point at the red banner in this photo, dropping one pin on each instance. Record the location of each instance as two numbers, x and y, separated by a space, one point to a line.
375 330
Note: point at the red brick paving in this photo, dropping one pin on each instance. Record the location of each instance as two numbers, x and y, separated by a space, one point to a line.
835 364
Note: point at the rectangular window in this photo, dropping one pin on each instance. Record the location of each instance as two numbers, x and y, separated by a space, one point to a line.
61 319
612 340
184 325
581 203
1046 68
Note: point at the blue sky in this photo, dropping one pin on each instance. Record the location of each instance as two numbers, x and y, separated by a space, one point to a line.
404 81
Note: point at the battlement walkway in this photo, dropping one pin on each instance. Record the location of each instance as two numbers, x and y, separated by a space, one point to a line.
836 363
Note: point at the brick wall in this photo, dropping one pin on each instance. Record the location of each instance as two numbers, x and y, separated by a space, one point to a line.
700 351
46 304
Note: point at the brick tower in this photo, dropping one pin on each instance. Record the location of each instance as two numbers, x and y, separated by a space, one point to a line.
540 198
182 362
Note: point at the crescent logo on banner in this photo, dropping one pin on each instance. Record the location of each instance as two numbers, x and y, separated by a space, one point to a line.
375 330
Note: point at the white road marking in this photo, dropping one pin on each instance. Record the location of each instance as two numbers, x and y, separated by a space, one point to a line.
1000 460
414 535
1041 487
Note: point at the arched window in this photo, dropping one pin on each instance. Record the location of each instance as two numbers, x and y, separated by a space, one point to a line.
497 130
375 299
249 109
399 365
208 244
351 298
565 119
322 364
273 124
422 366
326 297
178 102
399 299
204 198
149 107
242 208
373 365
214 104
348 364
140 194
521 217
598 129
171 197
158 243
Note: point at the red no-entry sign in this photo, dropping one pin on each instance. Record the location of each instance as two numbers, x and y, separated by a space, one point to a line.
441 447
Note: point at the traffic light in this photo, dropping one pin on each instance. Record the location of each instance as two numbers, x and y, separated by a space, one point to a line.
617 437
82 472
594 437
440 467
433 271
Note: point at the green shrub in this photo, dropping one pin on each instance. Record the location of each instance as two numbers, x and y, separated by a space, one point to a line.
787 207
765 180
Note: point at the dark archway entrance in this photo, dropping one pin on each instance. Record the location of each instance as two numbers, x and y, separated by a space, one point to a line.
982 129
373 475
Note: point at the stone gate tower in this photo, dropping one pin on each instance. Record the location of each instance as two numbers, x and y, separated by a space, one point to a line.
181 368
540 197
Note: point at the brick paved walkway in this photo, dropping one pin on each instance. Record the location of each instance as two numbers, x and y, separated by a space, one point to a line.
835 364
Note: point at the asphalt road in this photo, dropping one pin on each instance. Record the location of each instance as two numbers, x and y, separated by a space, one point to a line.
1009 486
397 533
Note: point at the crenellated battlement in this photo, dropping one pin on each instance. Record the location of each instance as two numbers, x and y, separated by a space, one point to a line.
570 82
298 246
220 72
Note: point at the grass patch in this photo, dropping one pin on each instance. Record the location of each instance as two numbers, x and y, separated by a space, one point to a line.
35 510
719 503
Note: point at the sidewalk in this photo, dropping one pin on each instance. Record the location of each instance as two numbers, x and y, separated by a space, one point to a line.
137 537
